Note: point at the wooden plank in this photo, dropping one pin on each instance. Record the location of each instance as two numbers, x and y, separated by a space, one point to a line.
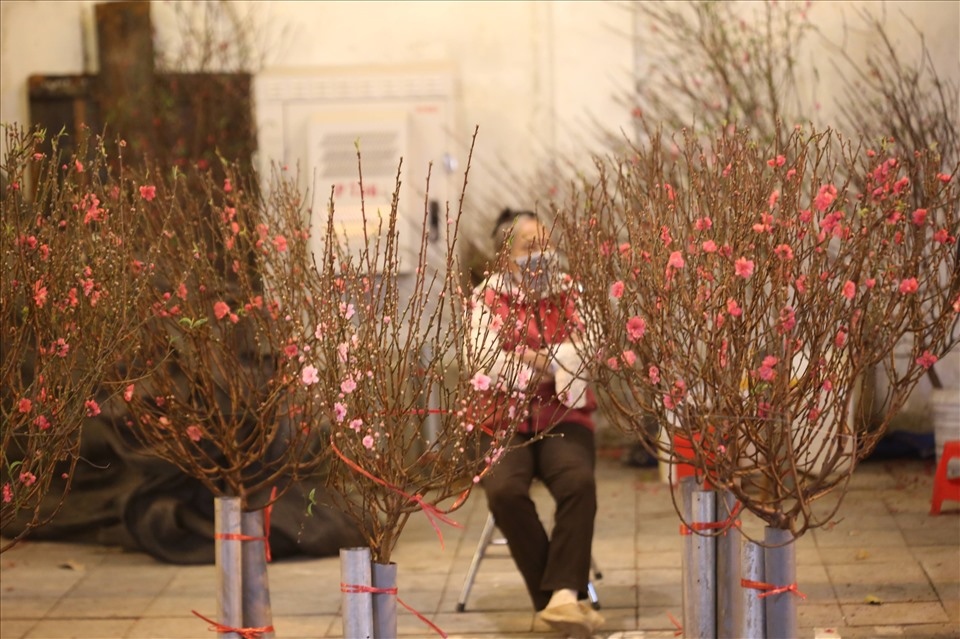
126 80
62 103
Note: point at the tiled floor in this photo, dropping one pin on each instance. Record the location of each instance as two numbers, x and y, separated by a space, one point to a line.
884 548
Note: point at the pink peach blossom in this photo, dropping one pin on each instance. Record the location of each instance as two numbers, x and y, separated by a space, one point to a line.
616 289
309 375
825 197
194 433
39 293
221 309
772 200
339 411
367 442
766 372
148 192
841 338
636 327
348 385
849 290
909 286
927 360
734 308
787 320
93 408
665 236
480 382
743 267
676 260
801 284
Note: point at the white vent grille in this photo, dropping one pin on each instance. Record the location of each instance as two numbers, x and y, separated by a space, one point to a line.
379 149
311 120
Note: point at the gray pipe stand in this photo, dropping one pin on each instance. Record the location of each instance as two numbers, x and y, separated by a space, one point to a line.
385 603
257 612
753 623
229 564
729 592
780 562
357 608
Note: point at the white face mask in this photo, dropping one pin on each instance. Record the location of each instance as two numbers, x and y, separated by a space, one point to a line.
539 272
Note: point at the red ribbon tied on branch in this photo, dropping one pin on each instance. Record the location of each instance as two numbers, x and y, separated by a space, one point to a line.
432 512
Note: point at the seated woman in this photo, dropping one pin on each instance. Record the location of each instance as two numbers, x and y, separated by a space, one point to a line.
558 432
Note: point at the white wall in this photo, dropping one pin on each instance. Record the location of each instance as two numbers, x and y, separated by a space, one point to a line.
531 75
534 76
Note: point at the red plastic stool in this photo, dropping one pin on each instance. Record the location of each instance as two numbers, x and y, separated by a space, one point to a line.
944 488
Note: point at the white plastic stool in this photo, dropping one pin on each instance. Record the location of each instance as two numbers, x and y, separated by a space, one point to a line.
486 540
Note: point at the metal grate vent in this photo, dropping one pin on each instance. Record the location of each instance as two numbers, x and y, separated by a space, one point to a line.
379 152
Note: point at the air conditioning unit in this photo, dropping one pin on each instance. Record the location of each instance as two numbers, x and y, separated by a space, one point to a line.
315 120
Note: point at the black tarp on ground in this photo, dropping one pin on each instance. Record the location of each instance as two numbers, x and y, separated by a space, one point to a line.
123 498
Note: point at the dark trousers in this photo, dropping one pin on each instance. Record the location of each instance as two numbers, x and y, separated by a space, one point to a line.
565 462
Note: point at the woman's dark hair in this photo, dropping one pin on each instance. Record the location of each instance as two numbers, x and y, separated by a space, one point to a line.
504 226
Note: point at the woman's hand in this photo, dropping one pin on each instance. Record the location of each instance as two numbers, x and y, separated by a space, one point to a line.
541 361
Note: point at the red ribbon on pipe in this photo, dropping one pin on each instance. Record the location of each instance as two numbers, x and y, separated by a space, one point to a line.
731 520
359 588
679 630
770 589
245 633
431 511
266 529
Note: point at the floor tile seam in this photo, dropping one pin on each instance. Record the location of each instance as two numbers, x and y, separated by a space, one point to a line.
923 569
887 602
67 593
29 629
929 578
830 579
